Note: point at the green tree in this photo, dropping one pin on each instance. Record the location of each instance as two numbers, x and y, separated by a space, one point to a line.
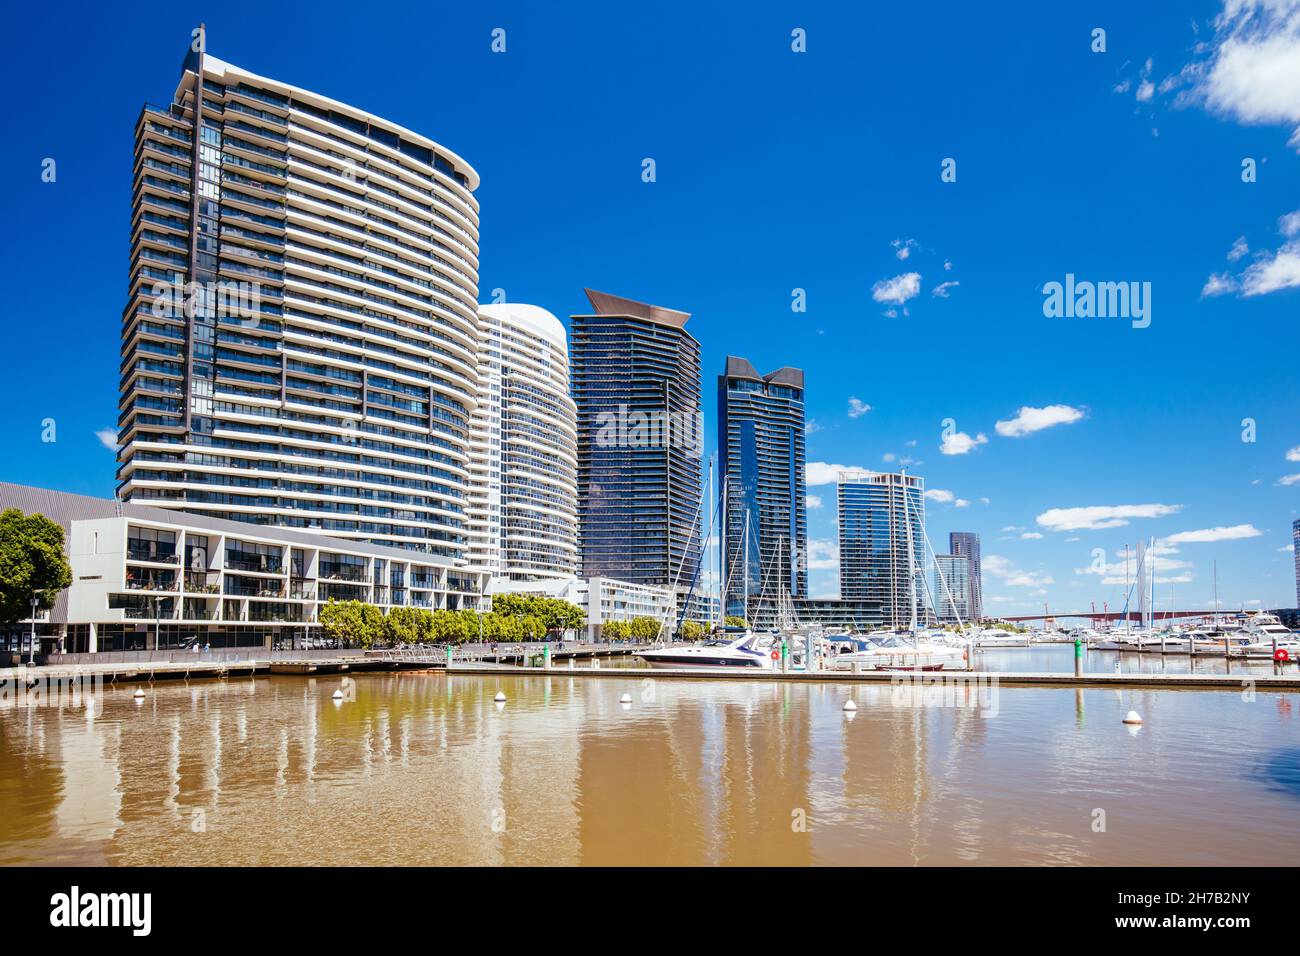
735 621
401 625
691 631
616 630
643 628
32 564
353 622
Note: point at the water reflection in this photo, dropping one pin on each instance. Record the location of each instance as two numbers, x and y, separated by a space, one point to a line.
426 769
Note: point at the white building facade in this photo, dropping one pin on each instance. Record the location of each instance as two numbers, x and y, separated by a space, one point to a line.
523 453
300 340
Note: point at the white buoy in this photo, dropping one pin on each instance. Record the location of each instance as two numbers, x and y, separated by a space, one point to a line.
1132 717
625 699
500 698
139 693
337 695
850 706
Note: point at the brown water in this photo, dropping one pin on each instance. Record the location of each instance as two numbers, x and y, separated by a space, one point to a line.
426 769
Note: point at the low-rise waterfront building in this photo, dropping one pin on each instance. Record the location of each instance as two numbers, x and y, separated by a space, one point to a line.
147 578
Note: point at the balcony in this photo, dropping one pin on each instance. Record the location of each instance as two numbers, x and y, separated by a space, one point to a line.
202 583
150 582
343 572
151 554
257 563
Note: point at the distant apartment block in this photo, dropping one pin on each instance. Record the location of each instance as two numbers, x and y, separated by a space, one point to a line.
761 464
952 590
967 544
882 543
1295 548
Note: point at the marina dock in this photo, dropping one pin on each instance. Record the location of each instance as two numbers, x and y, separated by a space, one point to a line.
1284 682
129 666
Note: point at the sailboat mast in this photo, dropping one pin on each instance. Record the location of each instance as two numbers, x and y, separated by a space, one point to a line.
745 544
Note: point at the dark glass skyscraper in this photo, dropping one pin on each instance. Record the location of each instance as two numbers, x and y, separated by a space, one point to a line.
967 544
635 374
761 462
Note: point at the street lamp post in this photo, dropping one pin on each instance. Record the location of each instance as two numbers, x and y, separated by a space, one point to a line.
31 650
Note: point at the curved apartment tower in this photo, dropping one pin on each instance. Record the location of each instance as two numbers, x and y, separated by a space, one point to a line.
300 342
524 456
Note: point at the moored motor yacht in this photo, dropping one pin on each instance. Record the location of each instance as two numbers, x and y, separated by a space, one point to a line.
733 649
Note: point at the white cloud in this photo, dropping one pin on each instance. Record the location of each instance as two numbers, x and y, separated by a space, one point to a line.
1030 536
812 502
1239 249
1096 517
823 555
941 290
1289 548
1123 86
1232 533
1280 270
961 503
1289 225
1253 75
903 247
826 473
1029 420
1219 283
858 408
811 427
898 289
947 265
1145 90
1288 480
108 438
1293 454
888 457
1001 568
940 495
1013 527
959 443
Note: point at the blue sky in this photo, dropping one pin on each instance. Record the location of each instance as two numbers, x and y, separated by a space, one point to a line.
778 170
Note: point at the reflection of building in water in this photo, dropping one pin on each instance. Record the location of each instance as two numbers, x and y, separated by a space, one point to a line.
895 772
695 777
59 782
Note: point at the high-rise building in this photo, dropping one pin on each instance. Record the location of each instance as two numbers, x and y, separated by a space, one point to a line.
967 545
1295 548
882 543
951 593
636 381
523 454
300 340
761 464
